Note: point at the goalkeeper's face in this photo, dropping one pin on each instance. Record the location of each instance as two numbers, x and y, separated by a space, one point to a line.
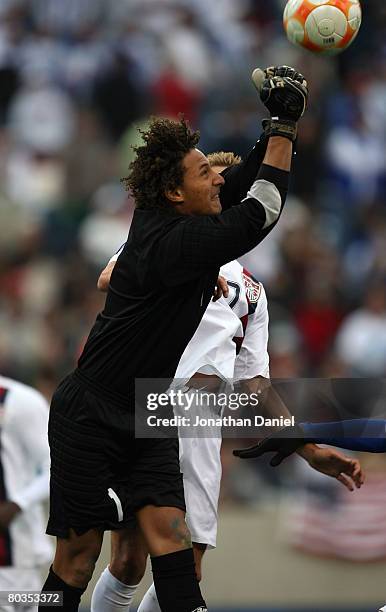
200 189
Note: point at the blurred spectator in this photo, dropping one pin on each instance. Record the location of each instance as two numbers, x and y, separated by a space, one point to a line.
361 341
66 18
117 96
41 117
105 229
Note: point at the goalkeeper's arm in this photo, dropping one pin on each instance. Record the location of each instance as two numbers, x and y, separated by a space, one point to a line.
284 92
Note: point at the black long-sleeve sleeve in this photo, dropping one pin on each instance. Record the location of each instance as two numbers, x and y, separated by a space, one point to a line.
198 243
240 178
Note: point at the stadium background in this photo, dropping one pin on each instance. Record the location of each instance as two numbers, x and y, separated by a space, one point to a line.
75 77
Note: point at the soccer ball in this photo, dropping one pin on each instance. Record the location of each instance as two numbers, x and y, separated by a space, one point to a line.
322 26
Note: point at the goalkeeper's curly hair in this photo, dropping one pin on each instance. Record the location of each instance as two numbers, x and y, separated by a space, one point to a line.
158 163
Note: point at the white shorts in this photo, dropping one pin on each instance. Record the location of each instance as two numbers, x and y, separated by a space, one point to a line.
20 579
200 464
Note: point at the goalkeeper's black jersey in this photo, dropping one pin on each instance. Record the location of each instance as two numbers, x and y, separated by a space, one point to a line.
160 287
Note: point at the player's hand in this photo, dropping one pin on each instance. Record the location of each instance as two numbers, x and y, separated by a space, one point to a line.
8 511
283 447
284 71
283 91
104 277
221 289
332 463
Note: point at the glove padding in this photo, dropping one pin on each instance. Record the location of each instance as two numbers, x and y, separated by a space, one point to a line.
284 71
283 447
280 127
282 90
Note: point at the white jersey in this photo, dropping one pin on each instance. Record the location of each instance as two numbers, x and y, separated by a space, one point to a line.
24 474
231 340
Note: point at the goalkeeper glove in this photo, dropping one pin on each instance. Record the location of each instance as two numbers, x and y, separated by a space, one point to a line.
283 447
284 93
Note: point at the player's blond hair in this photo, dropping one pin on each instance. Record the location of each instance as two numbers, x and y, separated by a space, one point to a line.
224 158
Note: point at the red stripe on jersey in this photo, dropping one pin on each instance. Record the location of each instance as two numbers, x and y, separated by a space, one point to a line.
3 394
252 290
252 293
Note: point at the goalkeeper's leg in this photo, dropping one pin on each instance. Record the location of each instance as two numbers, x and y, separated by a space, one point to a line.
117 584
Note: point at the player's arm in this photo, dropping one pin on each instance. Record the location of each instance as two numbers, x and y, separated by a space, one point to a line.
104 277
252 364
366 435
221 288
239 178
200 242
324 460
330 462
197 243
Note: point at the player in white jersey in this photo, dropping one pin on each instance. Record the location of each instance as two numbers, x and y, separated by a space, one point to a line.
230 343
24 486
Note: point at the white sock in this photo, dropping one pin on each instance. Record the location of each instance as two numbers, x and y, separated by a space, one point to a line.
111 595
149 602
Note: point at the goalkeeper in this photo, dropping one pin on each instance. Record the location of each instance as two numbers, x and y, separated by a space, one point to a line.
177 235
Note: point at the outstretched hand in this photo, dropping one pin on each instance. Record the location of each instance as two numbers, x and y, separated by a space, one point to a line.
332 463
327 461
282 90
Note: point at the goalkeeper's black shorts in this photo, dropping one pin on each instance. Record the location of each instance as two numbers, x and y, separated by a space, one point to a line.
100 474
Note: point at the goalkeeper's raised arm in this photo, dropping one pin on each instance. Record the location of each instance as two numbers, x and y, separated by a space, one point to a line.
284 93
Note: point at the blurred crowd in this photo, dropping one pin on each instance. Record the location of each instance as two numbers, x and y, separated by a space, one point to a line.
77 77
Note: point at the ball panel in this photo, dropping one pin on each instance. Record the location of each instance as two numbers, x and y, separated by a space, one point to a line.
326 26
295 31
348 40
318 2
291 8
304 10
333 13
354 17
310 46
343 5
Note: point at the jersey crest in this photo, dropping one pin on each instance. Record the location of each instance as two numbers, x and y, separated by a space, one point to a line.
252 288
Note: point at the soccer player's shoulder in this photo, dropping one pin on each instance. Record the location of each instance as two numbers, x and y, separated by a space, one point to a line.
232 271
18 393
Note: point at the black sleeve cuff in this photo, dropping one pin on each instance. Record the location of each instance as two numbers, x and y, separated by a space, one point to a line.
278 177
